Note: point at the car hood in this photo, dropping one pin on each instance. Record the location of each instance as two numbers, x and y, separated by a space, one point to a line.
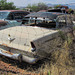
19 37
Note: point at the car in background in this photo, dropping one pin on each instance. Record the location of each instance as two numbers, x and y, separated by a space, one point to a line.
62 9
44 19
13 17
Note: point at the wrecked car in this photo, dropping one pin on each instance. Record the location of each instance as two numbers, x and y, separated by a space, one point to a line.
28 43
44 19
13 17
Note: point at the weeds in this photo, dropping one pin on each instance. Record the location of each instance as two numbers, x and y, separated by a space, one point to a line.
61 63
62 35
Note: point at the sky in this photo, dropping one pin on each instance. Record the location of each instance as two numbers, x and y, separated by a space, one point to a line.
26 2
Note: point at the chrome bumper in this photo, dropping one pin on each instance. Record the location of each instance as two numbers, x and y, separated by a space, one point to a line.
20 57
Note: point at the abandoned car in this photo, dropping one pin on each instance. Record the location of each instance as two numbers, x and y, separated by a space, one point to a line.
29 43
44 19
62 9
12 17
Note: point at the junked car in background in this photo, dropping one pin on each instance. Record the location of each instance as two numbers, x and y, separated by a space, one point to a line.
44 19
12 17
29 43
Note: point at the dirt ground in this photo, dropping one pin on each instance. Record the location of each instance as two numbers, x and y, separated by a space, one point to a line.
13 67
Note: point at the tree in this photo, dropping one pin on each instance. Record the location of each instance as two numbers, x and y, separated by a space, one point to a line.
49 7
42 6
37 7
4 5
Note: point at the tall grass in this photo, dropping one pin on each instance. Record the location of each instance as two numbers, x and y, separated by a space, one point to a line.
61 62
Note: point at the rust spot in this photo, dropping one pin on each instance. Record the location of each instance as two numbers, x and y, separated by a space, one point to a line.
7 52
4 44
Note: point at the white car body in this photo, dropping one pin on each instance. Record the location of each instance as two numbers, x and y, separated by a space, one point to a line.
16 42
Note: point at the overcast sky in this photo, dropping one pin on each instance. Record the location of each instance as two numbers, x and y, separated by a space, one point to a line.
26 2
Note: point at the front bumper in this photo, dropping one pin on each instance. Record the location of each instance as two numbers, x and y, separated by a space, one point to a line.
19 57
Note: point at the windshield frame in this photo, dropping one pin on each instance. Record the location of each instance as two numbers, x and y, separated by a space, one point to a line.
4 14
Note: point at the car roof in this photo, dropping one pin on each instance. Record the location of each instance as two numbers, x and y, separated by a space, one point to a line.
50 15
13 11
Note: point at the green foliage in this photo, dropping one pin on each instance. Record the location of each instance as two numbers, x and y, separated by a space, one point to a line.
37 7
4 5
73 28
70 10
67 38
69 41
57 6
62 35
33 7
42 6
49 7
48 73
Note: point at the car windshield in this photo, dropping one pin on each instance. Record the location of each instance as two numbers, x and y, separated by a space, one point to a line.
3 15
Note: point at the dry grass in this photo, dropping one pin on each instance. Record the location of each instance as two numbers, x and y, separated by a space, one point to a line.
61 62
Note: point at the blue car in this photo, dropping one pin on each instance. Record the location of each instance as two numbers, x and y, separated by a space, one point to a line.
12 17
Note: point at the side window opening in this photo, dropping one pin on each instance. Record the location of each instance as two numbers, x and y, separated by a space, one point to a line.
10 17
18 16
38 21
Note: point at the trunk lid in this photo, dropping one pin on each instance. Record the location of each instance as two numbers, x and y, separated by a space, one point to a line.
20 37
